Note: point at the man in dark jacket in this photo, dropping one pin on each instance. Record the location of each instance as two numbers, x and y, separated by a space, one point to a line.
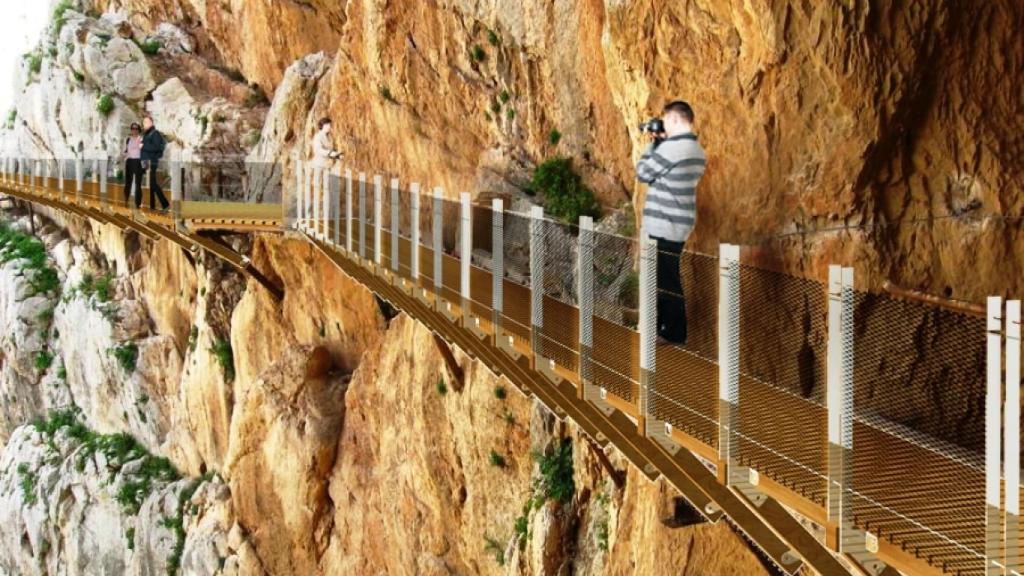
153 145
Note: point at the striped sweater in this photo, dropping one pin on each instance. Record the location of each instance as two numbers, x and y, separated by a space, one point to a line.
672 170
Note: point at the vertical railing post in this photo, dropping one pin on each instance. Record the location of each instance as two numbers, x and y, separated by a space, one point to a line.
993 437
348 212
294 221
317 192
465 256
728 357
395 222
32 169
79 177
1012 431
841 535
334 208
414 221
536 284
362 215
497 266
438 246
648 327
325 203
60 179
585 291
177 194
104 186
378 214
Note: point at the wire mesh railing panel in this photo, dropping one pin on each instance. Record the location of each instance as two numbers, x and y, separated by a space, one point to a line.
426 217
515 316
426 266
561 248
516 242
699 273
340 209
922 367
559 337
783 437
483 236
385 252
616 359
451 270
616 281
919 499
685 393
783 342
405 258
783 336
480 287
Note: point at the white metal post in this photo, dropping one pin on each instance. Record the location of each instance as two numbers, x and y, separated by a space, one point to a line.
325 202
728 355
438 245
336 203
1012 431
497 265
317 194
414 220
349 215
177 193
79 176
993 431
362 215
378 213
839 378
104 190
395 222
465 254
585 290
536 282
648 327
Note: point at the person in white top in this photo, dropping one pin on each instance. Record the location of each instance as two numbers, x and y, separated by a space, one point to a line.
323 147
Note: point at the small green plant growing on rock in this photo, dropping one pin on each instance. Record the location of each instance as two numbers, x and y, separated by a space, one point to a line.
17 246
105 104
27 482
554 137
500 393
478 53
177 523
60 15
221 349
497 460
193 338
442 387
102 287
127 356
565 195
44 359
35 62
150 47
386 94
12 117
492 38
504 97
509 418
556 472
62 371
494 547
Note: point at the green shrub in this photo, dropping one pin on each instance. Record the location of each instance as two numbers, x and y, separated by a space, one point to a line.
62 371
496 108
511 114
127 356
221 349
494 547
44 359
105 104
602 535
497 459
27 481
509 418
554 137
442 388
556 472
504 97
60 16
478 54
492 38
193 338
17 246
386 94
102 287
177 523
45 315
500 393
150 47
565 195
253 138
79 77
34 61
12 117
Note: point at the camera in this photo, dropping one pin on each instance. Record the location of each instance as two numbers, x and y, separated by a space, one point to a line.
653 126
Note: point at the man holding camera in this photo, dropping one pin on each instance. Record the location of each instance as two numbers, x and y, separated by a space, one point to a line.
671 167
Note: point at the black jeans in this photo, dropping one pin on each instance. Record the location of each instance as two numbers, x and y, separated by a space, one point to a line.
155 191
671 304
133 179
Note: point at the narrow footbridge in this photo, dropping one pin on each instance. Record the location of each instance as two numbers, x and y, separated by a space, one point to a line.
844 430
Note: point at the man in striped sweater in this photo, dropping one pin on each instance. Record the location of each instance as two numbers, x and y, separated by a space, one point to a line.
671 167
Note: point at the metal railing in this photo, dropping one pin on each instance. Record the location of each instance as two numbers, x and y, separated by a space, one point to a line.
883 414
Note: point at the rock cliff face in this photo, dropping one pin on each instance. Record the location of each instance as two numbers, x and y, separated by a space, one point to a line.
313 435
